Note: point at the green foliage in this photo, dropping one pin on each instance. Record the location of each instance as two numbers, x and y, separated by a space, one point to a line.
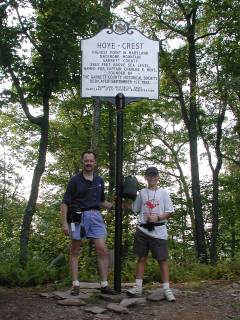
154 131
35 273
224 270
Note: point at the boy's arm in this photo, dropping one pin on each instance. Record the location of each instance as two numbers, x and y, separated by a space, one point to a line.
134 205
156 218
127 204
168 206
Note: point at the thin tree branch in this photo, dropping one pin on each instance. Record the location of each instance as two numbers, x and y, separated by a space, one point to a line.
207 35
25 30
23 102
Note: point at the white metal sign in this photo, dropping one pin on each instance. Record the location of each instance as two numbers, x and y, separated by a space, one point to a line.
120 60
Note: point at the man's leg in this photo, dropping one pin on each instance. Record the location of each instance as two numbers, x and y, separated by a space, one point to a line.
103 262
74 253
102 252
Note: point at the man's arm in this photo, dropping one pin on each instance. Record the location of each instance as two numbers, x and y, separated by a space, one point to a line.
106 205
64 210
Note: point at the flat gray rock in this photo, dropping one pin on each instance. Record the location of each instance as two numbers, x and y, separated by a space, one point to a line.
128 302
95 309
71 302
113 298
46 295
67 295
156 295
115 307
102 316
89 290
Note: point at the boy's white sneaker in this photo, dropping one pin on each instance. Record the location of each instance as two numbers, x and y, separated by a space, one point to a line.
168 295
136 291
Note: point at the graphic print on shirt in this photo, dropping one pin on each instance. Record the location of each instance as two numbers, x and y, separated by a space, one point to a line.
151 206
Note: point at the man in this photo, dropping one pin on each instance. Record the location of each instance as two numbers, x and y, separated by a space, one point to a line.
154 207
82 219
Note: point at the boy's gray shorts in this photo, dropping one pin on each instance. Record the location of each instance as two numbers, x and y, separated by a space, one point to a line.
143 243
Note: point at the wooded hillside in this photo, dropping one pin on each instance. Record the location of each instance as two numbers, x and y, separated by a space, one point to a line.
45 125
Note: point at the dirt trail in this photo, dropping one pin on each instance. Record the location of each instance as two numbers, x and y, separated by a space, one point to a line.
206 300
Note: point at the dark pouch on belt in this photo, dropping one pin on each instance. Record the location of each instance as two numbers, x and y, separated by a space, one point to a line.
82 232
74 215
150 226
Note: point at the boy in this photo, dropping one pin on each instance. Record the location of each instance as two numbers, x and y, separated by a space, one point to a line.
154 207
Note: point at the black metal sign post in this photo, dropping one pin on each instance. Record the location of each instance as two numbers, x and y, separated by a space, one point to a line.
120 104
119 65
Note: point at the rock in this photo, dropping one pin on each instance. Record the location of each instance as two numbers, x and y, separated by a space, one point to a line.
67 295
235 285
46 295
156 295
102 316
89 290
117 308
71 302
95 309
132 301
113 298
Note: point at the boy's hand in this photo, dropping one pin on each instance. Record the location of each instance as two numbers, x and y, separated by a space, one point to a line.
126 204
152 218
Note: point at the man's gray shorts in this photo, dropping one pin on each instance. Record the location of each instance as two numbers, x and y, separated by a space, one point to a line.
143 243
94 226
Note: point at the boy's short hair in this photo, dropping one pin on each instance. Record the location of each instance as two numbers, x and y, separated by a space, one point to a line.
151 170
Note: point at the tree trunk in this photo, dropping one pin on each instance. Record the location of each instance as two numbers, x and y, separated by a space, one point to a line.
38 171
215 219
196 195
215 184
193 136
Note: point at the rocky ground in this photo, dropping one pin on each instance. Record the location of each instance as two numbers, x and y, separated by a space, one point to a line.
205 300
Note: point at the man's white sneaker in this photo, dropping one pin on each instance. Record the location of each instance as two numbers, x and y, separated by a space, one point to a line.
135 291
168 295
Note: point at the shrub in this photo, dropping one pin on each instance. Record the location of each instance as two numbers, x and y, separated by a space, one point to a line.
35 273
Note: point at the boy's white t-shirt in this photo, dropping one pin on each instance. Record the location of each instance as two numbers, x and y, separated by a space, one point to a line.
153 202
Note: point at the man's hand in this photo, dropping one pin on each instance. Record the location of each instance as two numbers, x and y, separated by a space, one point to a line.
66 228
106 205
64 209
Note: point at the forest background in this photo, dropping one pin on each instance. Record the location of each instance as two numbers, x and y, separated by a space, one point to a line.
45 126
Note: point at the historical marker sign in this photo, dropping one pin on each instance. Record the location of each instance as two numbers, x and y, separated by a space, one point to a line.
117 60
